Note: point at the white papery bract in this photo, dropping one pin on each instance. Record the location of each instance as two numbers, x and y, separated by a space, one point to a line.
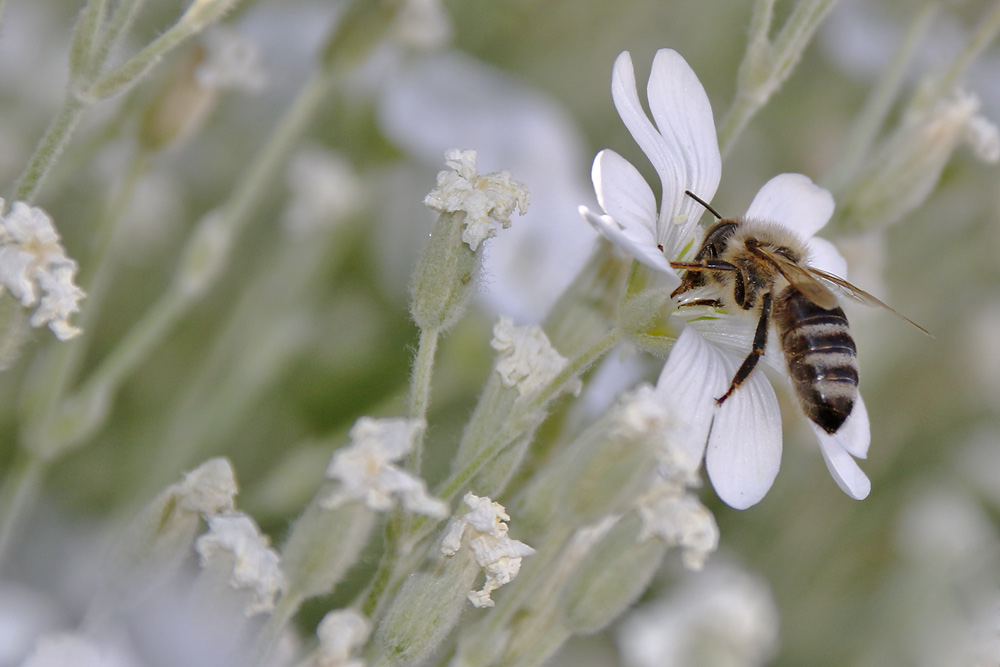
35 269
255 564
488 200
527 359
741 439
484 531
367 474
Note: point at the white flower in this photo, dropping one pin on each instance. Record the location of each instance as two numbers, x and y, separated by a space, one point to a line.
325 190
527 359
80 650
671 514
340 632
484 531
723 616
488 200
255 564
741 439
209 489
231 62
366 471
35 269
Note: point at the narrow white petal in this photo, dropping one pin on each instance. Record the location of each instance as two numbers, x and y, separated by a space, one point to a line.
842 466
632 241
626 98
695 374
683 115
825 256
624 194
855 434
744 447
794 201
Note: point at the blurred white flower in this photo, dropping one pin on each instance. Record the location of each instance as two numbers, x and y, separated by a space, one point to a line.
324 190
722 616
366 472
740 439
255 564
35 269
669 513
209 489
488 200
527 359
484 531
422 24
231 62
340 633
64 650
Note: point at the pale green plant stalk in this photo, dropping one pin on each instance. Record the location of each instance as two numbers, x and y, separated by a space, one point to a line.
89 86
766 64
880 100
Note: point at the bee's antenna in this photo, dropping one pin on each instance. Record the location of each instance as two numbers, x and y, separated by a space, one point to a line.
704 203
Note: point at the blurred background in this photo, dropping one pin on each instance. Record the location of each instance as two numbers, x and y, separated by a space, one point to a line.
307 328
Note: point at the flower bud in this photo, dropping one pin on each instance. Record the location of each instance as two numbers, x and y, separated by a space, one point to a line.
908 167
204 255
610 578
322 545
471 207
424 612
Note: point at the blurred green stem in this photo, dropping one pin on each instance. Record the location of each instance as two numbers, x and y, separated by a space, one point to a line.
420 388
985 34
17 494
56 138
766 65
879 102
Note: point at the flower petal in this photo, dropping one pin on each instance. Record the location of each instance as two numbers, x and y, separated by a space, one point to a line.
624 195
626 98
794 201
635 244
684 150
695 374
825 256
744 447
842 466
683 115
855 434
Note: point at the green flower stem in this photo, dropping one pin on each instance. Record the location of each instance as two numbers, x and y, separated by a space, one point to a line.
984 36
766 66
420 388
136 67
267 640
17 495
56 138
236 214
65 359
208 409
535 403
879 102
392 569
81 48
83 93
118 24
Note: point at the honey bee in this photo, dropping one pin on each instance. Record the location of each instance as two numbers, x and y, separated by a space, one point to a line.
760 265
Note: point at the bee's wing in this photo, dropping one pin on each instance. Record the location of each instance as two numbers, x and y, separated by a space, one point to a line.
801 279
861 296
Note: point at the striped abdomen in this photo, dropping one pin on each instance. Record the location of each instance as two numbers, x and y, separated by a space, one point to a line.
821 357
